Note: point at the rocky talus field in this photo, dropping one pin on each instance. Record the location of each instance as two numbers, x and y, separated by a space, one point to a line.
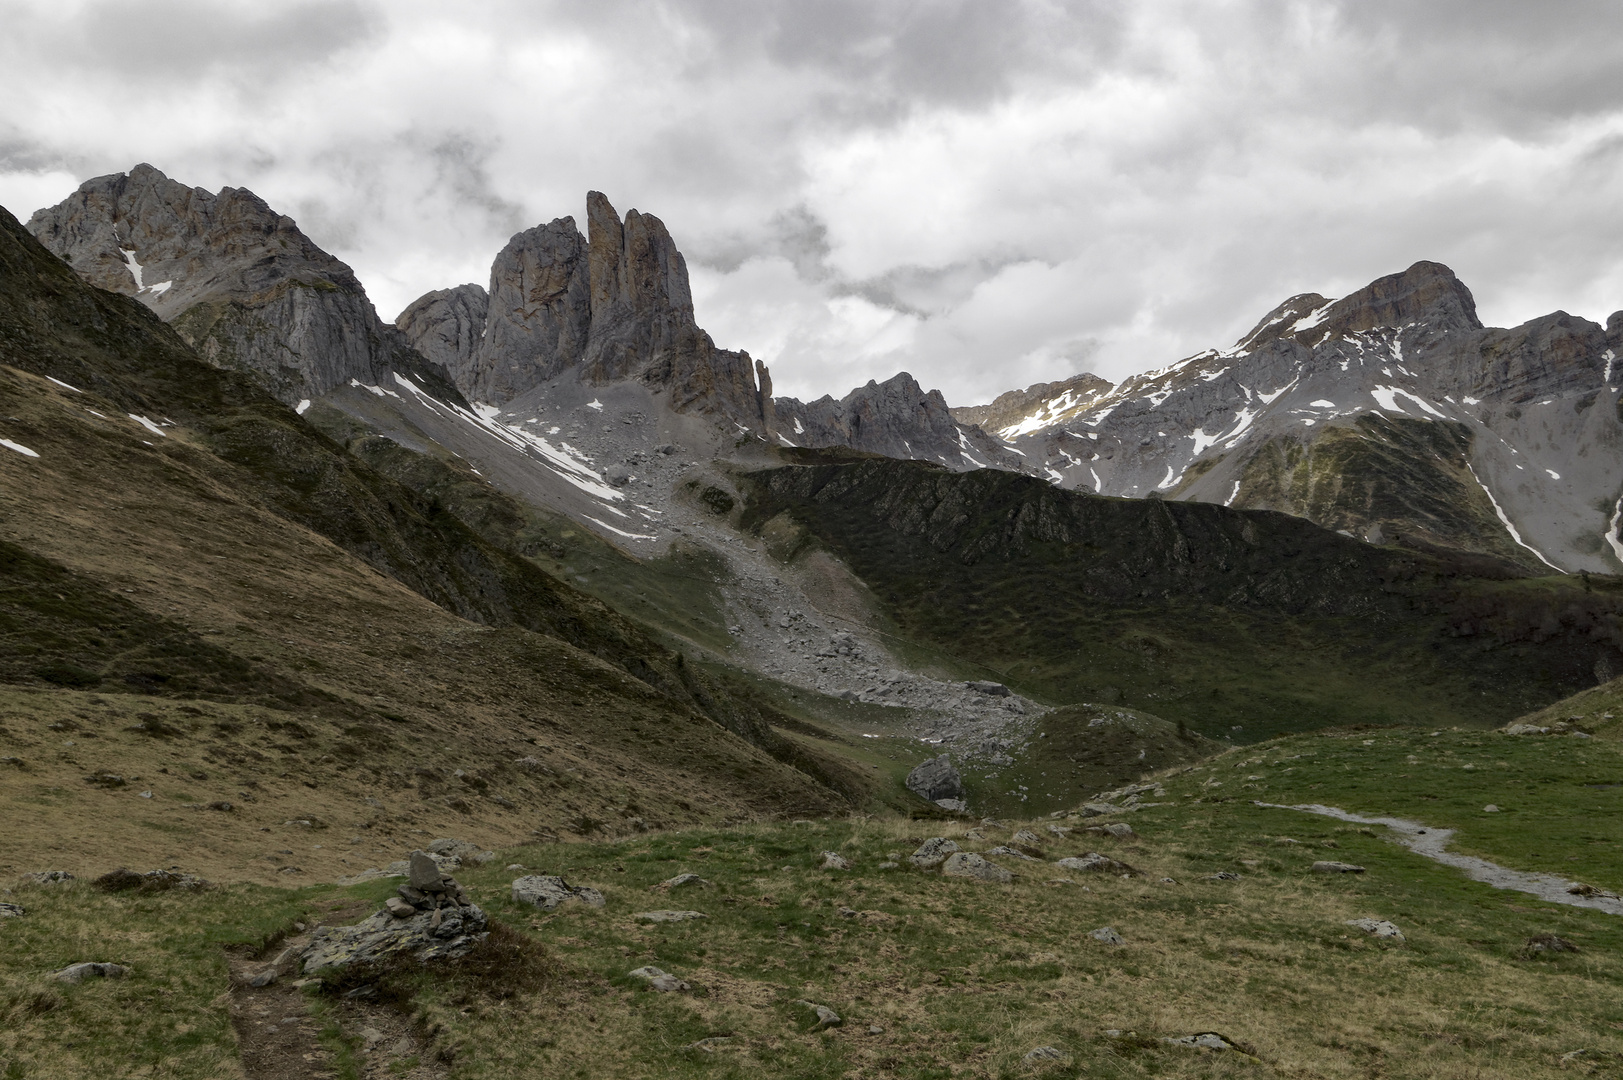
522 690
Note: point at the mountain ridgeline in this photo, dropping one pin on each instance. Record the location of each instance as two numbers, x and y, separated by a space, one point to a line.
1219 618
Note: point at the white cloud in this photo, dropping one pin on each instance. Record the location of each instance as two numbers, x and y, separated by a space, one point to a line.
984 195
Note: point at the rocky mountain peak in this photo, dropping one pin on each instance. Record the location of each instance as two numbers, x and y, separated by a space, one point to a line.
238 280
1011 407
1427 294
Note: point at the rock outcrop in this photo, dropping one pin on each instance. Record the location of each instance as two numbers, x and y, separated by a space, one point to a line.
1391 414
614 306
236 279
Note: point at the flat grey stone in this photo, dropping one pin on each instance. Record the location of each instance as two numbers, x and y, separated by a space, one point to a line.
11 911
668 916
966 864
936 779
424 872
681 881
1330 866
833 860
1378 928
1095 862
1107 935
1012 853
1204 1040
826 1017
1046 1053
91 970
663 981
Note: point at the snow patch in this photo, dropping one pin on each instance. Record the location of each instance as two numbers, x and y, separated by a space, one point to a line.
1169 481
132 266
302 406
784 440
798 429
159 289
1387 398
1553 474
972 461
19 447
1612 537
64 385
1055 475
1471 400
595 404
1505 521
621 532
1322 404
1232 495
1309 321
1607 356
148 424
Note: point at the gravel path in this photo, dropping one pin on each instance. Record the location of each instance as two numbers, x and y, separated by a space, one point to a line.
1432 843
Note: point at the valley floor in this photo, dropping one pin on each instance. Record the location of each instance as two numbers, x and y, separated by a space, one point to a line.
1226 929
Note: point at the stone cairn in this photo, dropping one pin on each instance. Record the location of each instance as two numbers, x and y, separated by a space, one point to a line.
427 888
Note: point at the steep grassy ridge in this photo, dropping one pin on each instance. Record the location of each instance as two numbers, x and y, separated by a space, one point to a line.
1237 623
231 553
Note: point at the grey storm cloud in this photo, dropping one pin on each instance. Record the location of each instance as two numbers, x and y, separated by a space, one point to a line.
987 195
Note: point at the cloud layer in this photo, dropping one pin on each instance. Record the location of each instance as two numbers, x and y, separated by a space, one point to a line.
986 195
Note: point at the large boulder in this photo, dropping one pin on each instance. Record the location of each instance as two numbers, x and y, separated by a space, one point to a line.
547 891
936 779
932 853
436 934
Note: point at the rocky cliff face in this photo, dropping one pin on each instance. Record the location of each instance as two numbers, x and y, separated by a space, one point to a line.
897 418
1039 404
616 305
1390 414
612 307
237 280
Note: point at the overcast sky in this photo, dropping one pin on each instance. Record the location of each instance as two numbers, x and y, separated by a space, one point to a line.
986 193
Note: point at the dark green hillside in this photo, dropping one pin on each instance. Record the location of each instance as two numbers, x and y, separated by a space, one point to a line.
1223 619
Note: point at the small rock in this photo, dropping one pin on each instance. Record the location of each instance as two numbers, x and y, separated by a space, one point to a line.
1490 809
966 864
889 865
11 911
1095 862
1378 928
220 805
1046 1053
668 916
547 891
1549 943
1223 875
1013 853
1061 831
1524 729
663 981
875 1029
712 1044
833 860
399 908
932 853
91 970
264 978
1119 829
1107 935
681 881
1096 809
991 689
1027 839
826 1017
49 877
145 795
1204 1040
1330 866
515 866
425 873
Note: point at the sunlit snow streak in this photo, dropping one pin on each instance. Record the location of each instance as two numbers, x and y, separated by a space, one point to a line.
65 386
1098 484
1505 520
133 266
1609 357
19 447
148 424
302 406
620 532
1232 495
560 459
1612 532
1170 480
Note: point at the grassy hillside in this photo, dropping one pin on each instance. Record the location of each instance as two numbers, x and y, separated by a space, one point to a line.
1239 624
229 555
935 977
